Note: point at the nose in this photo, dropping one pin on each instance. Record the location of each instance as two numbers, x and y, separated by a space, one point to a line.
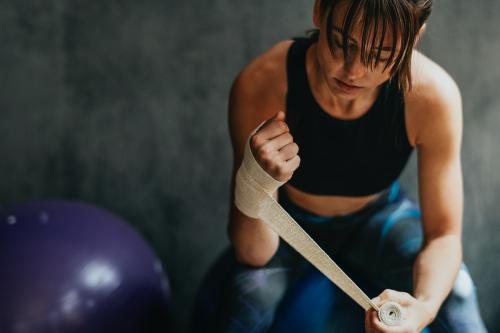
353 66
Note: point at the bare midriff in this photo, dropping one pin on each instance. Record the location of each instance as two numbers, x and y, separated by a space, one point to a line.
327 205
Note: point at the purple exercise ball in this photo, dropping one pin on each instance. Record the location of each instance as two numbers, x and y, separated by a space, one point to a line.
73 268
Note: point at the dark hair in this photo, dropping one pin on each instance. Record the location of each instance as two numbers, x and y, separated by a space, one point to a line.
402 18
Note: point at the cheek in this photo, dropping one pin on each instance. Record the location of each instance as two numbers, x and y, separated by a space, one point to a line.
378 74
384 76
331 63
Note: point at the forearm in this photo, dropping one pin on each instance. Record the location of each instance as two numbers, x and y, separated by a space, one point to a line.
253 241
435 270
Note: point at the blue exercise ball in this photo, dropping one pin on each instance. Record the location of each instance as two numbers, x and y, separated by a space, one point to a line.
71 267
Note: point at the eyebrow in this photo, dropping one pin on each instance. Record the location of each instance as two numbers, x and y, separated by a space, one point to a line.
384 48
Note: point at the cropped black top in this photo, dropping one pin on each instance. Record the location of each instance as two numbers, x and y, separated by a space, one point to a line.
354 157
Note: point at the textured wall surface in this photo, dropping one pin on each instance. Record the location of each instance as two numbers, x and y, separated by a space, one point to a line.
123 104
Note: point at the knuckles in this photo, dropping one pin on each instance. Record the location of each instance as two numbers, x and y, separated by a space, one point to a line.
268 157
264 152
255 141
387 293
280 125
288 137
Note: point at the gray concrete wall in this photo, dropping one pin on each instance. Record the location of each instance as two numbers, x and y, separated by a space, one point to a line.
123 104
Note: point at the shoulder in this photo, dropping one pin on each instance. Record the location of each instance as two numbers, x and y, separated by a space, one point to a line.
264 77
431 82
257 93
434 102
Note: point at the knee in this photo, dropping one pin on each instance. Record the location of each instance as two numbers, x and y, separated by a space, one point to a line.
230 279
263 286
463 287
229 283
460 311
252 259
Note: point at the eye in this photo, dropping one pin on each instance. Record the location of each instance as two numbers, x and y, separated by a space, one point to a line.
381 60
337 44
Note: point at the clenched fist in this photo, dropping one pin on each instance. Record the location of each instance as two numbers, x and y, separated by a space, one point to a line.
273 148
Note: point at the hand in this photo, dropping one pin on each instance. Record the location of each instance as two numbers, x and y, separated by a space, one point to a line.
416 314
274 149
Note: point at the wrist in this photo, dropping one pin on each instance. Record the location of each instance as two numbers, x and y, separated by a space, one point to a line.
430 308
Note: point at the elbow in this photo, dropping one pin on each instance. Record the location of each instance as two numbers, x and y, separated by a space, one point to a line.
248 253
452 235
252 258
252 242
451 242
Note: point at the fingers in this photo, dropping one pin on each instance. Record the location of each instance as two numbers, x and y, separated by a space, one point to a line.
294 163
374 325
276 143
401 298
280 115
372 321
289 151
368 326
273 148
377 301
272 128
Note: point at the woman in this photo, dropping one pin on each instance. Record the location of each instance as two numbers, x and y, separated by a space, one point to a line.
357 100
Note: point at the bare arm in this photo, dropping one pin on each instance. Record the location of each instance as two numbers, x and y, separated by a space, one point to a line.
434 107
253 242
256 95
441 194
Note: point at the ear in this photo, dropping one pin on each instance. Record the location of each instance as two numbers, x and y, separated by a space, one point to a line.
316 14
420 32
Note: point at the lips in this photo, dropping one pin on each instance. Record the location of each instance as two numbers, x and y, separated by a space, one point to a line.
346 85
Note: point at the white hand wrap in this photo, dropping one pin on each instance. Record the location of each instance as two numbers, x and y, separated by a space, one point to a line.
253 184
253 197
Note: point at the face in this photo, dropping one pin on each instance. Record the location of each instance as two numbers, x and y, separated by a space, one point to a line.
349 77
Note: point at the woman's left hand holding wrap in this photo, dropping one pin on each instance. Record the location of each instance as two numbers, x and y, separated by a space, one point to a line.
416 315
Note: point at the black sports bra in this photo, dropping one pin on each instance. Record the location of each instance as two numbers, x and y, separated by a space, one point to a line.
354 157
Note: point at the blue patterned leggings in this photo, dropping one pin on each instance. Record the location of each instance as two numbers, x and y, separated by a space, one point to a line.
376 246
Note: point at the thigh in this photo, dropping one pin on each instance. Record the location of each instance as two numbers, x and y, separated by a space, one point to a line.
460 310
392 239
314 304
239 298
385 246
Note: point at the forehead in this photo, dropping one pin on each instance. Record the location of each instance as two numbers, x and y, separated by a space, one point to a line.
355 32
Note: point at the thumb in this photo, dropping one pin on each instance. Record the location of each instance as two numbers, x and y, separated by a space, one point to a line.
377 301
280 115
